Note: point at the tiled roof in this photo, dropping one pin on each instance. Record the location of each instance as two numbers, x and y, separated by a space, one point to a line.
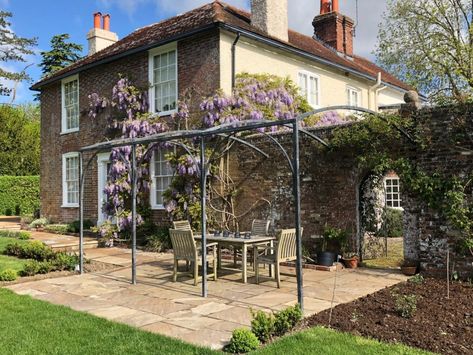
206 16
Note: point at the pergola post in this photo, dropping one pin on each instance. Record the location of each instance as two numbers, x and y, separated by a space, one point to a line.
133 214
296 184
203 193
81 214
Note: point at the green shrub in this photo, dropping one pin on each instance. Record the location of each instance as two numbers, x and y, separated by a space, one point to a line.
45 267
287 319
417 279
242 341
40 222
56 228
19 194
392 224
27 219
14 249
23 235
262 325
74 227
31 268
63 261
35 250
15 235
405 305
8 275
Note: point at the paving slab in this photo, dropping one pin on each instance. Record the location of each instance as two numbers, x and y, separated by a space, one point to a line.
177 309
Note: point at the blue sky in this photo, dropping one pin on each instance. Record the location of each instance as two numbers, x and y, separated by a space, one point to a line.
45 18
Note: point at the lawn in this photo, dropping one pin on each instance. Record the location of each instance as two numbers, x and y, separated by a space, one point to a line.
32 326
394 258
10 262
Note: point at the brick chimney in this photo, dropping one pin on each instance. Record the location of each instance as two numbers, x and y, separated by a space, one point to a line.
333 28
270 16
100 36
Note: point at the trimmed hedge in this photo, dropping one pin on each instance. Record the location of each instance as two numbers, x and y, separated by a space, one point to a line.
19 195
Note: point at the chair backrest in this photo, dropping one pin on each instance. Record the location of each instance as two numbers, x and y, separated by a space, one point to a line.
182 225
260 227
183 244
286 247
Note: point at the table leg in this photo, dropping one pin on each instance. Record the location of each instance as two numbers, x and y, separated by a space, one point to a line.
271 267
243 262
235 250
219 257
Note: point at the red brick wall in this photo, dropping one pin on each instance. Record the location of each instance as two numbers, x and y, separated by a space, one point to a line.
336 30
198 67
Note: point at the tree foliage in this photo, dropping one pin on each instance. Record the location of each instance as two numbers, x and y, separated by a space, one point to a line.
12 49
61 54
428 44
19 140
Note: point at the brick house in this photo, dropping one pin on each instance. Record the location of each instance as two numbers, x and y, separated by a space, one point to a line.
203 49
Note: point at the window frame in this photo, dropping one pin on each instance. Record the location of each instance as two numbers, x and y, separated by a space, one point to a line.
65 202
307 96
64 129
392 200
350 89
153 186
151 93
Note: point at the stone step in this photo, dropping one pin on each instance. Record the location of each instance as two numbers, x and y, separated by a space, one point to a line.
69 247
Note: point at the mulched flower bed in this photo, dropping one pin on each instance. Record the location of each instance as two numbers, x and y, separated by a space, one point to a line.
440 325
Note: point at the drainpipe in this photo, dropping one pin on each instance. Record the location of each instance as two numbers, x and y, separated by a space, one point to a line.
234 59
373 93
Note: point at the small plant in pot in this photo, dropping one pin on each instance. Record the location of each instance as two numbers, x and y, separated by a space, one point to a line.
409 267
334 241
350 260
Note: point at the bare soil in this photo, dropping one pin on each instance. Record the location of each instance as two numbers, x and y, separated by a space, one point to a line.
440 325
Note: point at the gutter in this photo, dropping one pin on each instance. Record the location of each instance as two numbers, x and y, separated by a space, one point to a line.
299 52
234 59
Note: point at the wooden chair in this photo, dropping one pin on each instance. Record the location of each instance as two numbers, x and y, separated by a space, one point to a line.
283 251
260 227
185 248
182 225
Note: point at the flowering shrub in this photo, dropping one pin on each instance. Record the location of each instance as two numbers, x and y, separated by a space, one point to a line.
255 97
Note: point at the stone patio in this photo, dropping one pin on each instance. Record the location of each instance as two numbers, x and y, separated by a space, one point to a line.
158 305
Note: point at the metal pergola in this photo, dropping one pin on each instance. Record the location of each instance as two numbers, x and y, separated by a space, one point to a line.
228 131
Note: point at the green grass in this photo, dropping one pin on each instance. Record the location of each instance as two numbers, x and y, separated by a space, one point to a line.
10 262
394 258
30 326
329 342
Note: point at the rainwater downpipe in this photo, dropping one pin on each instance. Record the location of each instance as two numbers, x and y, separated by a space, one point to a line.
373 93
234 59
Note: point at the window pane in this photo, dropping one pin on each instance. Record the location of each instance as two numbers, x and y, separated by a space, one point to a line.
165 81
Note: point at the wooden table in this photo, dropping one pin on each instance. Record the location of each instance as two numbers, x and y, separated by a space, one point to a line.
240 243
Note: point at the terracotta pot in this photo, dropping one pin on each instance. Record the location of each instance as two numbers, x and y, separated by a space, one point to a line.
409 270
351 263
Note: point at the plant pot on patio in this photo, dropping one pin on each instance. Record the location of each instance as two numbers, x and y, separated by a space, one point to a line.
409 267
351 263
326 258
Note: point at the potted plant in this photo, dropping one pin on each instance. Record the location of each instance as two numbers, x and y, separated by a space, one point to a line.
409 267
333 242
351 262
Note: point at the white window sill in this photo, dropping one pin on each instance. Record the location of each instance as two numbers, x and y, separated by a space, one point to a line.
166 113
70 131
70 205
158 208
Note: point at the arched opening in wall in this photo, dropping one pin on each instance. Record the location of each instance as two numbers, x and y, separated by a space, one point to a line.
381 213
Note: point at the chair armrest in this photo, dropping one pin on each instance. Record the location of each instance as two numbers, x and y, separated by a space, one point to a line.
209 245
265 248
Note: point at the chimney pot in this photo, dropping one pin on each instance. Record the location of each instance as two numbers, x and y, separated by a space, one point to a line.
106 22
325 6
335 6
97 18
